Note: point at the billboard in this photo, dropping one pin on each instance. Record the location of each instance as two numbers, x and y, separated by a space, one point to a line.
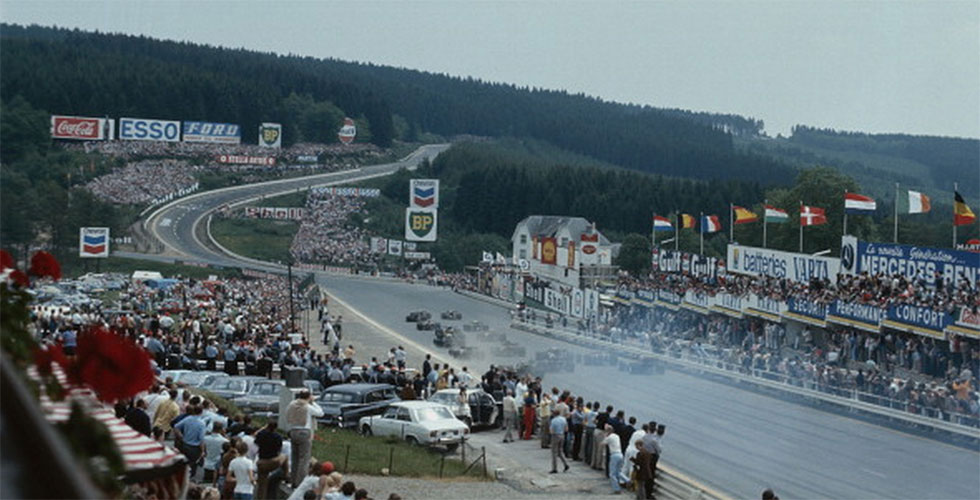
421 224
379 245
796 267
670 261
549 251
348 191
913 262
247 160
424 193
270 135
394 247
417 255
145 129
93 242
347 132
281 213
216 133
81 128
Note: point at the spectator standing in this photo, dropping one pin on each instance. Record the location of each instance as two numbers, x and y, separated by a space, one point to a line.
615 450
190 432
213 445
557 429
510 416
241 470
270 459
300 415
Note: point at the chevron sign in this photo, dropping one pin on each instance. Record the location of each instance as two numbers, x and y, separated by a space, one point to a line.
424 193
93 242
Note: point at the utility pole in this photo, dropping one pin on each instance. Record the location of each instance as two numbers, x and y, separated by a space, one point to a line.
292 313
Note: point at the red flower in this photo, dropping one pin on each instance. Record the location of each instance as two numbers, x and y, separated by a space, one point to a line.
44 264
19 278
50 354
113 366
6 261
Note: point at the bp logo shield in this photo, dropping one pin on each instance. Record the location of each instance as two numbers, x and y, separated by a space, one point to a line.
270 135
420 224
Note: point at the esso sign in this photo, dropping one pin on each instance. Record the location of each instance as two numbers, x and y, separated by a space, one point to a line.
139 129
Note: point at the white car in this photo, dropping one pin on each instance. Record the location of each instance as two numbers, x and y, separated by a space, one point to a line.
418 422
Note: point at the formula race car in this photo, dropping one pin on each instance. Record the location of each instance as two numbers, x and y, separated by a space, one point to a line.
475 326
464 352
416 316
509 349
452 315
427 325
446 337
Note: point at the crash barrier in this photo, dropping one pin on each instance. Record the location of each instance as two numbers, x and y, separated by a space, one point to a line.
380 457
852 400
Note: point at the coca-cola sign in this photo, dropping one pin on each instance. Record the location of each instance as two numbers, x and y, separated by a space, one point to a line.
81 128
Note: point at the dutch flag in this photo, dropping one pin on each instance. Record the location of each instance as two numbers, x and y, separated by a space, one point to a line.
856 204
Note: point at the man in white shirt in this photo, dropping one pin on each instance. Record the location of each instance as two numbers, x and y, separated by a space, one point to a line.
212 451
300 416
510 416
242 471
615 457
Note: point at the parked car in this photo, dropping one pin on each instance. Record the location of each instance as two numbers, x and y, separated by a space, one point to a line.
197 378
416 316
475 326
262 397
210 379
452 315
314 386
418 422
344 404
234 387
485 410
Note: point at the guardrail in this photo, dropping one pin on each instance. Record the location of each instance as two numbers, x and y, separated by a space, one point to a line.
760 378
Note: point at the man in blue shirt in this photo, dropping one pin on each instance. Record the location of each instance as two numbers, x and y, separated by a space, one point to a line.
190 431
558 427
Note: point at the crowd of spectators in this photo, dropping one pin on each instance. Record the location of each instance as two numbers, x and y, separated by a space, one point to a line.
327 235
329 154
143 181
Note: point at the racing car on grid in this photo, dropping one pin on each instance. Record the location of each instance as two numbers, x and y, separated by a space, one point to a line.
452 315
416 316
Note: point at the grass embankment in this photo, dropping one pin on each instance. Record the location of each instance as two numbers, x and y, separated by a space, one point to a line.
353 453
262 239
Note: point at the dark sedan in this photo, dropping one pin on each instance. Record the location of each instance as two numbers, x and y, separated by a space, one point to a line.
344 405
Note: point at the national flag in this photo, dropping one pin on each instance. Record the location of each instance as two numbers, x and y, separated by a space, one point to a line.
662 224
775 215
744 215
918 203
856 204
710 224
962 215
812 216
687 221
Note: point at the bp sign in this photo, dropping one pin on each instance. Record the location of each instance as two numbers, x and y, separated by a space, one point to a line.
420 224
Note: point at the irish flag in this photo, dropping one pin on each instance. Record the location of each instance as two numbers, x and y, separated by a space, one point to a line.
918 203
775 215
662 224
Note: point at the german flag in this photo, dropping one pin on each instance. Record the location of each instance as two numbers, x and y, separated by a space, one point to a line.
686 221
962 215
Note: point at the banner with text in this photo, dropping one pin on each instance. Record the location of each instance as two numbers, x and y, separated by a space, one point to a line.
913 262
215 133
670 261
280 213
348 191
796 267
81 128
145 129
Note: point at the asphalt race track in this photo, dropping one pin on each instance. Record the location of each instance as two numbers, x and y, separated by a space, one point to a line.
737 441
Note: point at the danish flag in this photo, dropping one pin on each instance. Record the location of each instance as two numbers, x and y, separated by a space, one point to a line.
812 216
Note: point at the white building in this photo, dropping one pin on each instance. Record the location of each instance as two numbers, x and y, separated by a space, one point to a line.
559 247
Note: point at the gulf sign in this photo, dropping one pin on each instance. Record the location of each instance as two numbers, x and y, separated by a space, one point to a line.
81 128
145 129
424 193
215 133
348 132
93 242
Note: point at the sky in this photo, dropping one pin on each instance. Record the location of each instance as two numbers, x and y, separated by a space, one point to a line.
870 66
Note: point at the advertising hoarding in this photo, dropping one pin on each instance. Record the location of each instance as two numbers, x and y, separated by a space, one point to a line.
215 133
81 128
146 129
913 262
796 267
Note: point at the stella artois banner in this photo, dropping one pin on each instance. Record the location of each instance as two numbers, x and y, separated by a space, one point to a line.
270 135
549 251
420 224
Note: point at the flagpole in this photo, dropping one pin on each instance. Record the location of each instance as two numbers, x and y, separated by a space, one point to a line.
731 222
895 230
765 220
654 232
701 229
801 226
677 230
845 213
956 188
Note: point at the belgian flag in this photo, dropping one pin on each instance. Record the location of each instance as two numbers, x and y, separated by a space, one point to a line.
962 215
686 221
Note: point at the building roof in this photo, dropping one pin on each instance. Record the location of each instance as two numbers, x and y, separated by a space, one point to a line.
549 225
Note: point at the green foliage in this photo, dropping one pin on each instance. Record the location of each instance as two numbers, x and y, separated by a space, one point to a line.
634 255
